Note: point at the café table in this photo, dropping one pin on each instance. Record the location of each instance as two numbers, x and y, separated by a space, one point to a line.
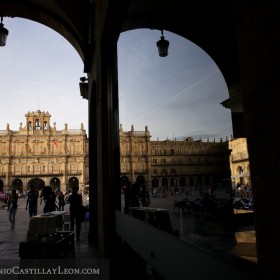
47 223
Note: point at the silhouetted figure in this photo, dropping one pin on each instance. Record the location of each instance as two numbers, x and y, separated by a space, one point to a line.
61 201
12 207
133 199
76 211
32 201
126 189
144 196
49 197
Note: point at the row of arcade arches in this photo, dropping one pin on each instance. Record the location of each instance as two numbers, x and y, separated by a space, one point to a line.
39 183
172 182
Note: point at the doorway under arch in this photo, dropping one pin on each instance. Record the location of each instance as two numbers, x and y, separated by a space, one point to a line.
155 183
73 182
17 184
124 181
1 185
37 182
140 180
55 184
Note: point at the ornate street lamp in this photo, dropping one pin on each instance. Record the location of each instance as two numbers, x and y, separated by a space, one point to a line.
162 45
3 33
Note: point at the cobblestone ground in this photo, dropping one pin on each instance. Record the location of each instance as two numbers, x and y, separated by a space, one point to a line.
190 227
209 234
11 238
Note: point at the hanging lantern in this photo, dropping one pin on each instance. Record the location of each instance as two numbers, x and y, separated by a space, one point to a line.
162 45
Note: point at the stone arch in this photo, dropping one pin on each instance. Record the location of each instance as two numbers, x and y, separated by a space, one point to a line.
164 182
38 182
17 184
1 185
124 181
155 183
140 180
46 17
73 182
55 184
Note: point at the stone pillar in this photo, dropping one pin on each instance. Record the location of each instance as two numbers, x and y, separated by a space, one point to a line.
258 26
104 161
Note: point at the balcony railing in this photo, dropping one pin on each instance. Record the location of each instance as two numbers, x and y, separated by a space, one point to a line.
23 173
39 173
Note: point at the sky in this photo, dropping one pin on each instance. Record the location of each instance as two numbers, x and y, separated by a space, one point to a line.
176 96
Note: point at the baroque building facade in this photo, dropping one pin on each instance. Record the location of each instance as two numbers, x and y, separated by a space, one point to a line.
171 163
239 162
40 154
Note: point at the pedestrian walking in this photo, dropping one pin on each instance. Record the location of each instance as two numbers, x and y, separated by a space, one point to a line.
50 199
61 201
32 201
76 211
134 195
144 196
12 208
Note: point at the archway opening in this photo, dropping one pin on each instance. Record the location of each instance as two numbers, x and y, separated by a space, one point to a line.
37 182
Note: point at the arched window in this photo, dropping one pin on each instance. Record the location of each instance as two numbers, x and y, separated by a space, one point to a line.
155 183
37 124
240 170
